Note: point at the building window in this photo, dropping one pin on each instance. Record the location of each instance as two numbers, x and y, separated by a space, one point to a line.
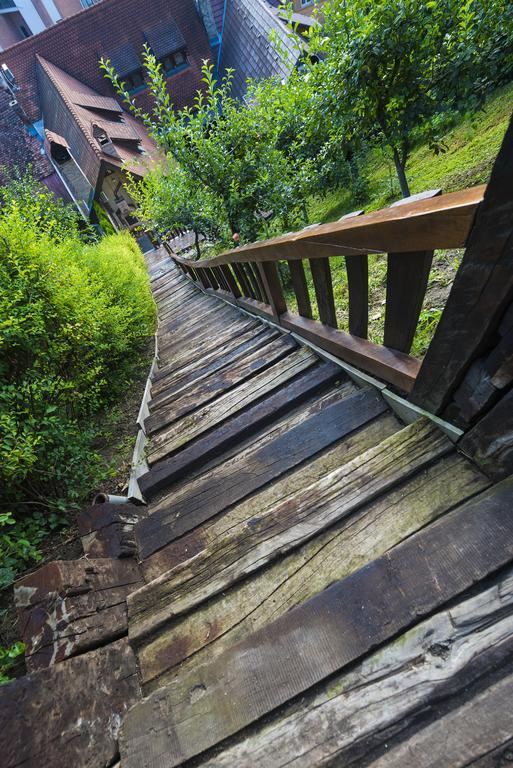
173 61
88 3
134 81
24 31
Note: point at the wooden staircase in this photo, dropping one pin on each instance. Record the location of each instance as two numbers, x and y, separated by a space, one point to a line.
322 574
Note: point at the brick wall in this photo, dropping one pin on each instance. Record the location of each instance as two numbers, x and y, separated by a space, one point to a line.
76 44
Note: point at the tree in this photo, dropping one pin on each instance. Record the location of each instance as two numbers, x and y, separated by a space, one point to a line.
396 68
228 152
168 200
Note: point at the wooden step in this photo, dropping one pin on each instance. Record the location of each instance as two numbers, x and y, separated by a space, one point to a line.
68 607
198 394
107 530
253 468
235 428
211 415
214 626
69 715
324 635
433 666
243 540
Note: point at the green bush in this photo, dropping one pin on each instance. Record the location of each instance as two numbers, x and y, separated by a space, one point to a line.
73 317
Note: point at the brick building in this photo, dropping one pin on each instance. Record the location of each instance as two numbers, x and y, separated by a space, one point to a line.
74 121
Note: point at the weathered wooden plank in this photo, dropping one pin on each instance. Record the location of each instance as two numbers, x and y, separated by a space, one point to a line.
257 466
349 715
188 360
185 350
407 281
364 708
461 737
387 364
490 442
167 387
325 634
107 530
246 423
69 715
357 268
297 274
222 381
181 550
243 544
480 294
207 417
67 607
335 554
323 285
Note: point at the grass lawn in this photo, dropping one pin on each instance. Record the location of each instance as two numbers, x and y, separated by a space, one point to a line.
472 147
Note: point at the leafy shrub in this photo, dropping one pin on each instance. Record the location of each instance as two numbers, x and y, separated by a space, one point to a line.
73 316
8 658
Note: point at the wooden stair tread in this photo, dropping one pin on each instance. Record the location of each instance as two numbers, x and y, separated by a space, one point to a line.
325 634
254 468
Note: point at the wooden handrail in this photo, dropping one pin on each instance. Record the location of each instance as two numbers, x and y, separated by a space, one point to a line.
408 233
439 222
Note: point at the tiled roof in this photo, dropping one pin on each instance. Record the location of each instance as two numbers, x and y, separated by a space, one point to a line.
128 136
18 149
124 59
246 46
165 38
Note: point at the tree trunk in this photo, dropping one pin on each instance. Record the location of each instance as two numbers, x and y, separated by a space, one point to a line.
196 244
401 175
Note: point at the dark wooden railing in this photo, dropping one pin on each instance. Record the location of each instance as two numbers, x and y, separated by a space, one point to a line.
408 234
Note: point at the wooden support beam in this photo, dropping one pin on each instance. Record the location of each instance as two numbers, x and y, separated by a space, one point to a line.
387 364
481 292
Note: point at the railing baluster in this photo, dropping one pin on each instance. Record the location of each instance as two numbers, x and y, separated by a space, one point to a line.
323 285
357 267
407 280
243 280
230 280
251 279
203 278
297 274
264 297
221 281
271 281
212 278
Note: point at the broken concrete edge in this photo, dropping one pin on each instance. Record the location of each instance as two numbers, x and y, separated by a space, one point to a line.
403 409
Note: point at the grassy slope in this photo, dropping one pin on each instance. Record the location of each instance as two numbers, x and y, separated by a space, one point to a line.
472 146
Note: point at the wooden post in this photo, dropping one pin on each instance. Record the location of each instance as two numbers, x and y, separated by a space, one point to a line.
480 294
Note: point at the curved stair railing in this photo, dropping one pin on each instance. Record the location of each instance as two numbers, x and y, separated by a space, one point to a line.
249 277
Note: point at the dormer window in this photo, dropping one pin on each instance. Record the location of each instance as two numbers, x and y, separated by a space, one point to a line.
101 136
128 67
134 81
168 45
173 61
